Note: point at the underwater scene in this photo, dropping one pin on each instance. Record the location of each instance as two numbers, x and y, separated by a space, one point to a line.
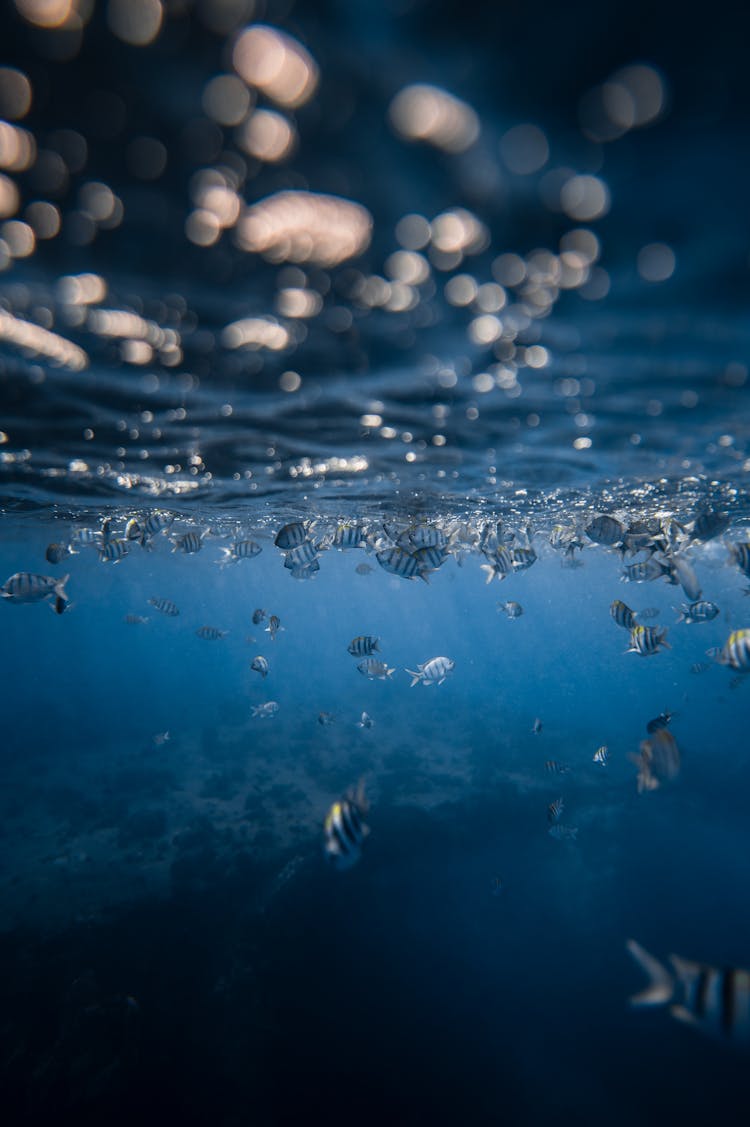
374 563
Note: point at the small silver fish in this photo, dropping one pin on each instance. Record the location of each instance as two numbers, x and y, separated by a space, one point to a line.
365 721
160 738
189 542
260 665
375 670
135 619
240 550
536 727
601 755
262 711
432 672
211 633
274 625
605 530
513 610
326 718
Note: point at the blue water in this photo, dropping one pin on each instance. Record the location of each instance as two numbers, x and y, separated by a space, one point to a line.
175 944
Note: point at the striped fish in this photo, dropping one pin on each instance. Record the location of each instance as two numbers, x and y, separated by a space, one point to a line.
427 536
601 755
563 833
430 558
622 614
114 550
736 652
553 767
709 524
646 640
714 1000
644 571
375 670
349 536
522 558
739 554
500 564
260 665
364 645
605 530
240 550
301 555
401 563
188 542
210 633
432 672
165 606
26 587
344 829
274 625
258 615
513 610
291 535
555 809
135 619
700 611
158 521
87 537
305 571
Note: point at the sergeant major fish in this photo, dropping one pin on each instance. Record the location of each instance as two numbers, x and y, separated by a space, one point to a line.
344 829
266 710
513 610
364 645
260 665
26 587
700 611
240 550
375 670
646 640
622 614
601 755
713 1000
56 553
165 606
736 651
432 672
210 633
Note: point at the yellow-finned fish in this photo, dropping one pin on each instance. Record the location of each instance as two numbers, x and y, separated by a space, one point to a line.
344 829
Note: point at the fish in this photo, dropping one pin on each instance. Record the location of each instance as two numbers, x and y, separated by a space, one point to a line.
114 550
349 536
427 536
645 571
500 564
601 755
189 542
326 718
258 616
26 587
563 833
536 727
622 614
160 738
56 553
263 711
496 886
699 667
683 573
304 571
522 558
739 554
700 611
660 721
365 721
363 645
429 558
646 640
344 829
158 521
659 760
605 530
553 767
363 569
260 665
135 619
274 625
375 670
301 556
240 550
165 606
87 537
292 535
432 672
736 651
649 612
710 524
714 652
713 1000
211 633
401 563
513 610
555 809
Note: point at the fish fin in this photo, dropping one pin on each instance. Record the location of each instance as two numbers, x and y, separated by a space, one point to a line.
424 576
665 643
390 672
660 988
416 677
60 587
683 616
685 970
375 645
490 572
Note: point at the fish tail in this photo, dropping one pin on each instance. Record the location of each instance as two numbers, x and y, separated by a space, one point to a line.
416 677
60 587
375 645
661 984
